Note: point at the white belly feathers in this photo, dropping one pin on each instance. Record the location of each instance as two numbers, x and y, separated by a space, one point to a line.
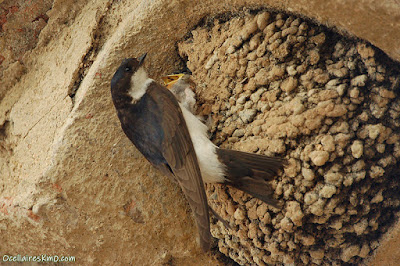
211 169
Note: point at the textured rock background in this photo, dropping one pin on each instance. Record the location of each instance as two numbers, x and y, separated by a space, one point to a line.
71 183
276 84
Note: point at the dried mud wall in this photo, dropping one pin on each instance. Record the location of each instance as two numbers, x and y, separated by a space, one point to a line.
280 85
71 184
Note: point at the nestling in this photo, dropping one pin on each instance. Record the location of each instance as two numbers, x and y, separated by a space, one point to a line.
176 142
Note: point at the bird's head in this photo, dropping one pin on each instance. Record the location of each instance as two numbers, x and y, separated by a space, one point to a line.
126 70
122 80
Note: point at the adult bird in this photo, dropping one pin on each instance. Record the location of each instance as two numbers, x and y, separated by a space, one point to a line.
175 141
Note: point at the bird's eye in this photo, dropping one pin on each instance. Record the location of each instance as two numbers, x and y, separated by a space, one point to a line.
128 68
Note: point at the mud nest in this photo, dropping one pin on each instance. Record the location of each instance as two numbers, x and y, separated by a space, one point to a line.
280 85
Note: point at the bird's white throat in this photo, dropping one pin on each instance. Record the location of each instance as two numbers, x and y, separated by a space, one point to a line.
139 83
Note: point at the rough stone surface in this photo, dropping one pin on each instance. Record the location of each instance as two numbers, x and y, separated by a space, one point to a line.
316 100
20 24
389 252
72 184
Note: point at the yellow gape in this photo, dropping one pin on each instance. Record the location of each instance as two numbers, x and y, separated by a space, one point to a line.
170 80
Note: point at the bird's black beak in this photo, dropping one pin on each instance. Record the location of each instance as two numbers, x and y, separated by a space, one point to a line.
141 58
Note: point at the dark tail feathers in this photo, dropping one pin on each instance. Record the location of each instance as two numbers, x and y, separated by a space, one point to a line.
251 172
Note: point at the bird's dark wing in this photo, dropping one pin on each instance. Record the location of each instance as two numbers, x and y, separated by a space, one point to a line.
251 172
178 151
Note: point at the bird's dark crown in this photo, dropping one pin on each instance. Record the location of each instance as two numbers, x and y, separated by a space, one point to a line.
120 82
125 71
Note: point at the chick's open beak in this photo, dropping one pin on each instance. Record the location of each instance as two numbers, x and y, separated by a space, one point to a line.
170 80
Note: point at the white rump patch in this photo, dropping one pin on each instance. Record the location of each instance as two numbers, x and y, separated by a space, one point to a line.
211 169
139 83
